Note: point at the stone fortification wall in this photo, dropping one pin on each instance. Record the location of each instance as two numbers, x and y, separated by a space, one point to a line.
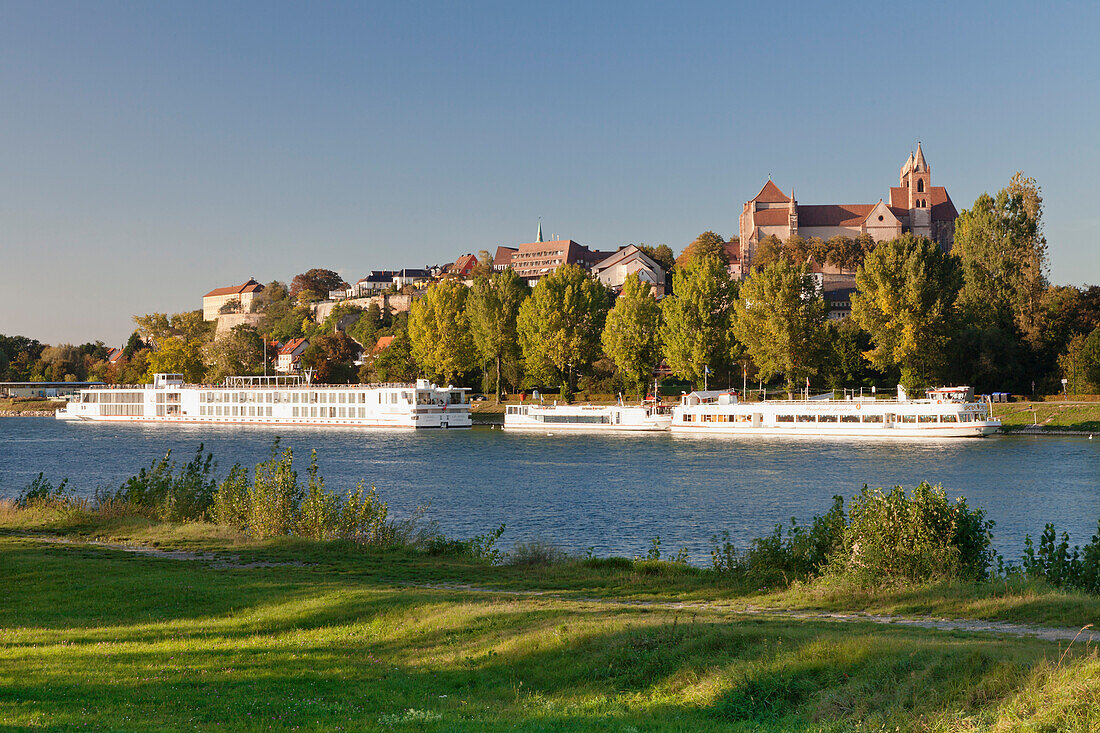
396 302
227 321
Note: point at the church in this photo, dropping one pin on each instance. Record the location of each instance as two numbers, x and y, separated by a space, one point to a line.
914 205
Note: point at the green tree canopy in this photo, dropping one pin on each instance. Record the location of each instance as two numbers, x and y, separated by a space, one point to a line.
768 250
778 317
1003 252
241 351
318 281
632 336
560 326
695 334
492 308
662 254
440 333
707 244
177 355
907 292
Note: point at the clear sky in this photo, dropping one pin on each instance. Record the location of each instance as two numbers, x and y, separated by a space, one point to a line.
151 151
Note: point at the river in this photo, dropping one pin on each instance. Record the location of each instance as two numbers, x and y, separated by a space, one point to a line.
612 494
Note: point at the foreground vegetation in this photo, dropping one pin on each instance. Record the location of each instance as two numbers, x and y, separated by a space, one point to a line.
269 601
356 638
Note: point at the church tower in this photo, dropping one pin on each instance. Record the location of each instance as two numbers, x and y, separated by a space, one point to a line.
916 177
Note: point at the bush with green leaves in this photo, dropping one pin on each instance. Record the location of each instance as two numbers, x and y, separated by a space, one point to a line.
1055 563
40 493
914 537
165 493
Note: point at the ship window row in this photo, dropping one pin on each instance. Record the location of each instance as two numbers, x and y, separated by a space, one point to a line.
311 397
113 398
574 419
123 410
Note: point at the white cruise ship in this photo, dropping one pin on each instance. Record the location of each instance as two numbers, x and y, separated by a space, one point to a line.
586 418
948 412
278 400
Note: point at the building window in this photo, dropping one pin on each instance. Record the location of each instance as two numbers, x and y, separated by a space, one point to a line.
920 185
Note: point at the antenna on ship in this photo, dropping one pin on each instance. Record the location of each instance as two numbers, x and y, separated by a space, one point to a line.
309 375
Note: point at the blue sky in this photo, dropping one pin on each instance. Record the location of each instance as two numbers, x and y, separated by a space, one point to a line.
152 151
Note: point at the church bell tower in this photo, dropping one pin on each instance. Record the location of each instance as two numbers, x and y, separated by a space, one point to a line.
916 177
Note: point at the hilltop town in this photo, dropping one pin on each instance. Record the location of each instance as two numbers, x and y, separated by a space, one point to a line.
903 289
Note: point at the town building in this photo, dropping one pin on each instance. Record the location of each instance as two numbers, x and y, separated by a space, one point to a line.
463 266
914 205
375 282
411 276
629 260
238 297
289 360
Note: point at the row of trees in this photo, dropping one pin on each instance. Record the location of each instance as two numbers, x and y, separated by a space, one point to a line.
984 314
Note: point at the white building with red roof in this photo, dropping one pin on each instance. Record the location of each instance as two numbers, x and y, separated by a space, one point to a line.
290 356
914 205
240 295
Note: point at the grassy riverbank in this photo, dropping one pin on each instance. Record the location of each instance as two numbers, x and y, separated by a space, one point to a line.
1049 416
292 632
31 406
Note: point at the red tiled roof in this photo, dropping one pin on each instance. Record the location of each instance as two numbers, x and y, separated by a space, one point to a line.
733 251
833 215
251 286
292 345
464 264
942 207
772 217
114 355
382 343
503 257
770 194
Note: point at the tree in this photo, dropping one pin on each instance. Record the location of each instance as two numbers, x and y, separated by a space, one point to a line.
1003 252
63 363
439 332
241 351
907 292
632 336
778 317
662 254
330 356
842 361
393 363
706 244
492 308
560 326
768 250
317 281
176 355
695 335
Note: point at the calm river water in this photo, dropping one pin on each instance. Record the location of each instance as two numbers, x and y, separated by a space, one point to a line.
612 494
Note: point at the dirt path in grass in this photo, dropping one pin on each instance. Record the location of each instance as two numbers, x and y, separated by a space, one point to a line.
221 561
1048 633
213 559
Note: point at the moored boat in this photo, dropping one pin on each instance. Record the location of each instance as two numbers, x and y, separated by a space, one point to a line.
281 400
947 412
587 418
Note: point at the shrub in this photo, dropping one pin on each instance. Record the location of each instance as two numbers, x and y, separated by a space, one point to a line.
1056 564
163 493
40 493
230 505
275 496
319 510
362 518
537 553
915 537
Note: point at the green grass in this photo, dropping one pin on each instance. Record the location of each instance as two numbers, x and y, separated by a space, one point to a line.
8 404
1051 416
93 637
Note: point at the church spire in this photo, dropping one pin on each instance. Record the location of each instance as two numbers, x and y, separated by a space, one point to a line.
921 165
540 231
